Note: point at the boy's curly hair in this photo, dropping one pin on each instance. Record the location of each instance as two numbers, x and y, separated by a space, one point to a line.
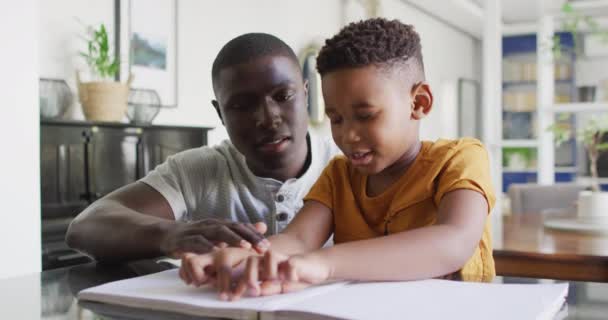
376 41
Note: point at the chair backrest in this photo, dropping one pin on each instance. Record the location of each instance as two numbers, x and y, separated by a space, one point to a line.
531 198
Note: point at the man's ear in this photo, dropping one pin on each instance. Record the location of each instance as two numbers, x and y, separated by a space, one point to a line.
306 86
422 100
216 106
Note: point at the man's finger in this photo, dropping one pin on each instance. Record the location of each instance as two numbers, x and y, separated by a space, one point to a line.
226 234
195 244
248 232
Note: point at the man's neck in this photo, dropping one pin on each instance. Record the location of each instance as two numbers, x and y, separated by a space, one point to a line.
295 168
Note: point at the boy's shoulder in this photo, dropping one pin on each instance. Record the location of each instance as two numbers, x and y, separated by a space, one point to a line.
448 148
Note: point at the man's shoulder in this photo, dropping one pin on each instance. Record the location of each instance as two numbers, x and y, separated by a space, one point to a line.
323 146
220 154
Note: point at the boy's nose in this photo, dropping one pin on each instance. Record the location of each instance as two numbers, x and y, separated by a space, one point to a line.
351 134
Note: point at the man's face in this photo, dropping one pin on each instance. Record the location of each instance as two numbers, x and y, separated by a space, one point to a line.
262 104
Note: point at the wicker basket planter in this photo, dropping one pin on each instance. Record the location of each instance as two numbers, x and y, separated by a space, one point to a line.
103 100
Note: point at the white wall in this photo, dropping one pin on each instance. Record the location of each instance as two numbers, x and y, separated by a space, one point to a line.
448 54
62 24
19 138
204 26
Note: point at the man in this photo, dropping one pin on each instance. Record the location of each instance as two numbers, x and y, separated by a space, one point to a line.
226 194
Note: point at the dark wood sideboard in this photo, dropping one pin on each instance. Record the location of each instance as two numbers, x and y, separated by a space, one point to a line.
83 161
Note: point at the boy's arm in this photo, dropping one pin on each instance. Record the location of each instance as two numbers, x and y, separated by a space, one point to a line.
422 253
308 231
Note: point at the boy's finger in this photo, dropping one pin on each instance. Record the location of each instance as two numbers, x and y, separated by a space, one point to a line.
182 274
270 287
291 286
260 227
270 269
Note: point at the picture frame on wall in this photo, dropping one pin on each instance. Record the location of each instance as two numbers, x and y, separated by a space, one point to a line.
469 108
147 33
315 103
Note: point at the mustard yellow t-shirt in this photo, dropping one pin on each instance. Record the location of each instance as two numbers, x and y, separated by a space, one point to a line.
413 200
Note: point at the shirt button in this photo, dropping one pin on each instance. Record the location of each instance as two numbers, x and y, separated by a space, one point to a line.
283 216
280 198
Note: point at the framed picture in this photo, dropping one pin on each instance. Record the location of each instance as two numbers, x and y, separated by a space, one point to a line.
316 105
147 47
469 109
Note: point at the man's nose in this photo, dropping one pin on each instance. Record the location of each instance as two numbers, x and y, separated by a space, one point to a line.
268 114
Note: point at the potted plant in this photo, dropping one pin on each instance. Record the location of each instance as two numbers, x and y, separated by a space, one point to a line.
102 99
593 202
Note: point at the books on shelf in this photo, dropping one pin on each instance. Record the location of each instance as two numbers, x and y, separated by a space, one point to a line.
163 294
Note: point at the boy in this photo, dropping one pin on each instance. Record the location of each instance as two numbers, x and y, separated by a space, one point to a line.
211 195
399 208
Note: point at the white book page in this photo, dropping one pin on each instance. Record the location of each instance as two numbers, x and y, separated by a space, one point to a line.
166 291
432 299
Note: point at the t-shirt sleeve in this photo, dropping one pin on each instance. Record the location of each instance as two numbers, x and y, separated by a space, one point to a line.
468 168
323 190
168 180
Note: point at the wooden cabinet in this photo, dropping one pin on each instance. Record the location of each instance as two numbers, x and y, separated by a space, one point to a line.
82 161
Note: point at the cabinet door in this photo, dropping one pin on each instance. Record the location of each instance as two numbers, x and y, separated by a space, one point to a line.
160 143
112 158
62 170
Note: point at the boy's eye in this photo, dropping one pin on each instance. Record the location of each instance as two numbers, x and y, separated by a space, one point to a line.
365 116
334 119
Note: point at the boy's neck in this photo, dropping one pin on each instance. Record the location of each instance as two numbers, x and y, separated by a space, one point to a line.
379 182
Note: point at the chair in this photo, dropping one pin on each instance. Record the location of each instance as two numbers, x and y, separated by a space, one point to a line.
530 197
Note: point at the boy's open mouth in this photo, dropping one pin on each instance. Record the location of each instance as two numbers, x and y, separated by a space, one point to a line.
361 158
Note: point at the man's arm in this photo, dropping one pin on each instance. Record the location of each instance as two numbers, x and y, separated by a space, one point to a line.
136 222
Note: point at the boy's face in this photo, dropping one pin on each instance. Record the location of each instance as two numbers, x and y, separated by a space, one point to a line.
374 115
262 104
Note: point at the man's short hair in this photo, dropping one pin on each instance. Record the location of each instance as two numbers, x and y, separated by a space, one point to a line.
248 47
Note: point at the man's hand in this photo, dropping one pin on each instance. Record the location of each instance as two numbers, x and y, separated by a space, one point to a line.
203 235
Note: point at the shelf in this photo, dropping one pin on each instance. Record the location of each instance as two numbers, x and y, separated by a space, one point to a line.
510 170
566 169
580 107
587 180
534 82
520 143
557 170
518 111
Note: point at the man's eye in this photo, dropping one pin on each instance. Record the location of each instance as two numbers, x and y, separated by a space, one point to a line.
284 96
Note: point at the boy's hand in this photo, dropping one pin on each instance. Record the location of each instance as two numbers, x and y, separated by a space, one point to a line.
202 236
276 273
218 267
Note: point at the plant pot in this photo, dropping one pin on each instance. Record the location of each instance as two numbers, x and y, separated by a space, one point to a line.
103 100
593 205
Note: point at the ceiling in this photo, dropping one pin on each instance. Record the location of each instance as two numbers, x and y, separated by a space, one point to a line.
467 15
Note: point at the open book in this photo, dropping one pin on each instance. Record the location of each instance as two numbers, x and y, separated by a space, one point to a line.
427 299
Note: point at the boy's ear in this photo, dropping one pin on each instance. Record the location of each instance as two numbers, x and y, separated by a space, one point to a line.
216 106
422 100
